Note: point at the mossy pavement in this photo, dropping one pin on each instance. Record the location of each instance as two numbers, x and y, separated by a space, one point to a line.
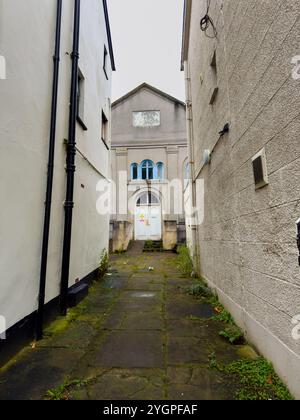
137 336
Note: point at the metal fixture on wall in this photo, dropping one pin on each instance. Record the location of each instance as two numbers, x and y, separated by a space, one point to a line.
70 165
225 130
206 157
260 171
49 188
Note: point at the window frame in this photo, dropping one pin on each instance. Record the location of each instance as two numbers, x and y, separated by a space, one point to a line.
105 61
134 166
152 200
80 100
105 123
260 170
214 68
160 167
147 165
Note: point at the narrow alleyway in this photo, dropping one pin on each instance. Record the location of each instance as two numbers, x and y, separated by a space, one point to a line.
138 335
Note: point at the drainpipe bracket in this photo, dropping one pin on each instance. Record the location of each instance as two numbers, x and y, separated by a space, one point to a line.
75 54
69 204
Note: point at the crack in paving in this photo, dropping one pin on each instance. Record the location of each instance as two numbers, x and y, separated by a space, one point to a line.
131 338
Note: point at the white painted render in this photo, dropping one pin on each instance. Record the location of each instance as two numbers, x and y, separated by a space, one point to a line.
27 43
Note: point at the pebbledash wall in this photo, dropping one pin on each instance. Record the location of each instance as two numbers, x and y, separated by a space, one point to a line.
246 245
27 43
163 143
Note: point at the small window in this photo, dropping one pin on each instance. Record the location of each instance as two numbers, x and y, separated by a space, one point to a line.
147 170
147 199
260 172
80 99
105 62
214 62
214 69
134 171
143 200
160 170
104 128
153 199
146 119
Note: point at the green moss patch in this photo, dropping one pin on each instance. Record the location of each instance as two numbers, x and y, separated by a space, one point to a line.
258 380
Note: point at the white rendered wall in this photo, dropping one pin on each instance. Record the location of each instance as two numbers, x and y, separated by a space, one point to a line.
27 42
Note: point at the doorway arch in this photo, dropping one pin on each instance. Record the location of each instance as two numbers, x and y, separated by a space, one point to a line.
147 224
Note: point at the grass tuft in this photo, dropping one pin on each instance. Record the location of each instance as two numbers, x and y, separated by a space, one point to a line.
185 263
62 392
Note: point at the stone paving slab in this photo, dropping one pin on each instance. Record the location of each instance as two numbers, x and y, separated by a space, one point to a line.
36 372
138 335
183 351
122 384
178 309
130 349
140 305
144 284
143 321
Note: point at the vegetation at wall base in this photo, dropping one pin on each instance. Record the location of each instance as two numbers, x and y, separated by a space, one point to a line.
103 265
185 263
233 334
199 290
257 379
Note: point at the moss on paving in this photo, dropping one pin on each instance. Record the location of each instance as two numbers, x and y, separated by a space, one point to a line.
255 375
227 371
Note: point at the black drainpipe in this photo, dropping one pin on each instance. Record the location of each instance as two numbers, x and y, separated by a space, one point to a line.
70 165
48 201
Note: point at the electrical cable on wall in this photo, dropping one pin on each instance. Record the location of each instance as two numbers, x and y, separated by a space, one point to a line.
206 22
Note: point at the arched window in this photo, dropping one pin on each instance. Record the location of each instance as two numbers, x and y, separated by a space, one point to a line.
147 199
160 170
147 169
134 171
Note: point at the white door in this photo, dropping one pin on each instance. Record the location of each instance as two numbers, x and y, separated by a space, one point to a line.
148 223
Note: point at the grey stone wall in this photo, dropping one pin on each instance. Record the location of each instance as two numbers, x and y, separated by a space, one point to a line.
247 240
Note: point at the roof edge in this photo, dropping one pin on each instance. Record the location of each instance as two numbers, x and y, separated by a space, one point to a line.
186 31
109 37
153 89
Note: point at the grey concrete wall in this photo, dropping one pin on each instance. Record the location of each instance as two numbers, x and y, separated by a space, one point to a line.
171 130
247 241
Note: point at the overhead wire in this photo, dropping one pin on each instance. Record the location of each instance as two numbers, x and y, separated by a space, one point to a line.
206 22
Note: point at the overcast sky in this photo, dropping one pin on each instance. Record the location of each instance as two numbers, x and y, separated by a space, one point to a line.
147 45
